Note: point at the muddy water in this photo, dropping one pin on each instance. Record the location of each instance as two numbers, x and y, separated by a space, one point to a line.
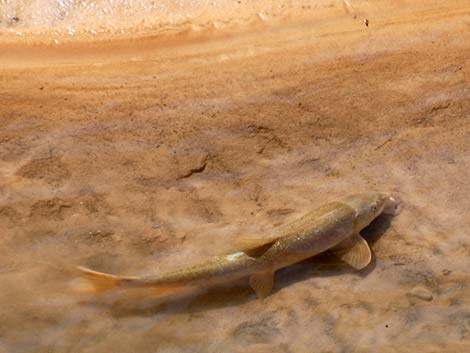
140 154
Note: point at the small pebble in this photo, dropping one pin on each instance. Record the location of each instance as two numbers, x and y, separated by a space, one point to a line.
421 293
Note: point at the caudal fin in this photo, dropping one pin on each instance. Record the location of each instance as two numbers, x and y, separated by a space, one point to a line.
94 281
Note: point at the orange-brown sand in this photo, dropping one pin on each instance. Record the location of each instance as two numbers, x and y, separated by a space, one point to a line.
139 155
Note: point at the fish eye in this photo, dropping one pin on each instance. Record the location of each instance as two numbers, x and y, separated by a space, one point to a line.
373 208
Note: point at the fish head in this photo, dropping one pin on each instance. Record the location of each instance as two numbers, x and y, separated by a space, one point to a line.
369 205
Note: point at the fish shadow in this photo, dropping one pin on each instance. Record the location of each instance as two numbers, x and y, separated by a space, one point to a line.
239 292
141 303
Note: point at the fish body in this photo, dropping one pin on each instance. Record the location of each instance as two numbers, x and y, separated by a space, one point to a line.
334 226
312 234
216 270
325 228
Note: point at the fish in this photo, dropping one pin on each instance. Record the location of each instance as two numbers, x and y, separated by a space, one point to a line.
333 227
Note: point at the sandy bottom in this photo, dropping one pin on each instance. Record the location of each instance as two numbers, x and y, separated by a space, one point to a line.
158 156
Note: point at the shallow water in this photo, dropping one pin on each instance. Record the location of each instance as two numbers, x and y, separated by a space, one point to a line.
62 19
141 153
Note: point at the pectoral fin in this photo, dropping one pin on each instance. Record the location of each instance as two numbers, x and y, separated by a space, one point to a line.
262 283
354 251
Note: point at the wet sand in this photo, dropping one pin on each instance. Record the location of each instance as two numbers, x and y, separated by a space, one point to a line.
140 156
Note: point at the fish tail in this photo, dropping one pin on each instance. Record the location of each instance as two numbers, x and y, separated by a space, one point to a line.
94 281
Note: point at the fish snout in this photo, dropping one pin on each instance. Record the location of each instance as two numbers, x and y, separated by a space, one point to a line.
392 206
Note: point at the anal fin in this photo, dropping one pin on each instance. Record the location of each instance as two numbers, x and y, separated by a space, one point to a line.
262 283
354 251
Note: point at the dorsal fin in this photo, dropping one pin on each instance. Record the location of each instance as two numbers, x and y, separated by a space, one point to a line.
253 246
354 251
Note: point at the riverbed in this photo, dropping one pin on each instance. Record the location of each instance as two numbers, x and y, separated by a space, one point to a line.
143 149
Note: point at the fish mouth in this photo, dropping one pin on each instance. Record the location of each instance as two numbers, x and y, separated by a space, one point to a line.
391 206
